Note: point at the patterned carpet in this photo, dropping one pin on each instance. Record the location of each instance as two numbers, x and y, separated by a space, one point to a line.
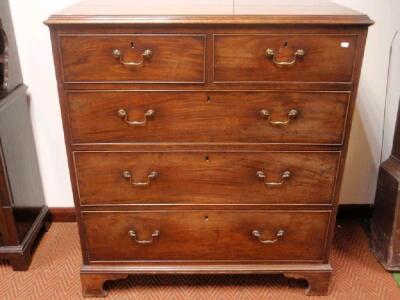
54 274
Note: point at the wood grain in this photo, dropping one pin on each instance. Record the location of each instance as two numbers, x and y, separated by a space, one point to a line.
208 11
318 282
205 138
208 117
176 58
242 58
206 235
206 178
385 221
62 214
204 7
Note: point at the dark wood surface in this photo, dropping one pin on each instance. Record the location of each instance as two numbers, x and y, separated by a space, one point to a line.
242 58
176 58
22 210
385 223
345 212
396 140
208 117
206 235
206 138
3 60
8 229
62 214
385 233
240 12
385 237
12 74
206 178
6 198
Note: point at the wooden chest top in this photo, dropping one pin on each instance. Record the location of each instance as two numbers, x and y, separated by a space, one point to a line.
208 12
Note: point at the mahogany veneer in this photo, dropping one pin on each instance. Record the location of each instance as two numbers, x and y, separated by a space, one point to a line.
238 57
207 136
82 56
229 116
192 232
206 178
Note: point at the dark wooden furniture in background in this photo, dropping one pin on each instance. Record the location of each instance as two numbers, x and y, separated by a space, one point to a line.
385 223
22 210
207 136
3 60
10 69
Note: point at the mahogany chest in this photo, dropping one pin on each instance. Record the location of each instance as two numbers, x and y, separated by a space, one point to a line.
207 136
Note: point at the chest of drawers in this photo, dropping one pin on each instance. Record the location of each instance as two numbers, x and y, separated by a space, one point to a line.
207 137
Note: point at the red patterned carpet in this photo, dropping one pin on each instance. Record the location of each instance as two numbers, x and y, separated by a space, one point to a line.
54 274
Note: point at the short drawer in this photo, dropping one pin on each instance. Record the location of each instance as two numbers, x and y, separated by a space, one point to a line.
206 235
206 178
284 57
147 58
208 117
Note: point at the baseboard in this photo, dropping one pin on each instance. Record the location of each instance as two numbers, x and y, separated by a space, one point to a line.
62 214
345 211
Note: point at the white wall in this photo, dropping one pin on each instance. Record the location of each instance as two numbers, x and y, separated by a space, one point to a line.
366 136
364 155
35 54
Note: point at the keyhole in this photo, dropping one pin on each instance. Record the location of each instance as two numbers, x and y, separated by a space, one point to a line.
132 45
208 99
206 218
285 44
207 158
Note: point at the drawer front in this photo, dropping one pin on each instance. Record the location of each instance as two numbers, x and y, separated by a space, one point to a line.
206 235
206 178
133 58
248 117
284 57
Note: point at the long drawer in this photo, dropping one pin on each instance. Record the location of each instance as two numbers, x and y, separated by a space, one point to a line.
148 58
284 57
206 235
208 117
206 178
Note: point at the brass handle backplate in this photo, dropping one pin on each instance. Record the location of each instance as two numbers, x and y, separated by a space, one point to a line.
123 114
128 175
270 53
279 234
117 53
133 235
265 114
285 175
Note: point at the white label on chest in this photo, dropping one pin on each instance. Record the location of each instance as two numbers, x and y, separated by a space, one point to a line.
345 45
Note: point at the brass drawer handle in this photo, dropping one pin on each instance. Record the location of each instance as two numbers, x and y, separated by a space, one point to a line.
285 175
133 235
265 114
117 53
279 234
128 175
270 53
123 114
